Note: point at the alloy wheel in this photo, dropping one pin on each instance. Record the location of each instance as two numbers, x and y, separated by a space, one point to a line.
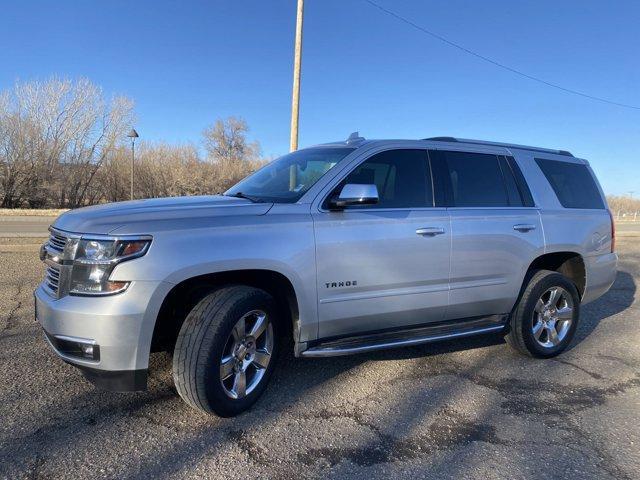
247 354
552 317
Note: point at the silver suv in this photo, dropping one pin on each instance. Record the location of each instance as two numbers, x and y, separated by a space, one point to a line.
343 248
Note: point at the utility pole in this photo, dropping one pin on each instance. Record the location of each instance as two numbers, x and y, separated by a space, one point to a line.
297 60
132 135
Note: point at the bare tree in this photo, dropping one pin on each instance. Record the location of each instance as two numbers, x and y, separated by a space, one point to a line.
226 141
230 152
169 170
17 144
624 206
63 145
162 170
112 178
54 136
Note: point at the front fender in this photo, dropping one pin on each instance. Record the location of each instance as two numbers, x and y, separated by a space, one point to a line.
282 243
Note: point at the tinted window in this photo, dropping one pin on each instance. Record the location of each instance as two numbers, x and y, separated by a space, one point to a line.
401 176
572 182
515 199
525 193
473 179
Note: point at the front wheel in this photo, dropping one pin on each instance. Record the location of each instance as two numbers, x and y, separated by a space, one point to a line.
226 350
546 317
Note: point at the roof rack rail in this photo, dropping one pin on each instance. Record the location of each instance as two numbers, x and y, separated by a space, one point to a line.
499 144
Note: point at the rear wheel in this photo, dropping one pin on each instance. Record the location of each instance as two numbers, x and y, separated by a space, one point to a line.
226 350
546 317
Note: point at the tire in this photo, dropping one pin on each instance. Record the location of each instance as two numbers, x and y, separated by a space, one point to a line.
532 324
210 335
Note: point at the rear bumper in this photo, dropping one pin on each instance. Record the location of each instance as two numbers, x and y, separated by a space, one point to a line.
601 272
118 329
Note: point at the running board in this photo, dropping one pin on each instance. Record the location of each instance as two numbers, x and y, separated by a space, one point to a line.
407 337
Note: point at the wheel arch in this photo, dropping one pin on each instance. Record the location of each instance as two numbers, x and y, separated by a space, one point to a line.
569 263
186 294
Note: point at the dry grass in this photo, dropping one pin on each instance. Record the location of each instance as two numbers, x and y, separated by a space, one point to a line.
32 212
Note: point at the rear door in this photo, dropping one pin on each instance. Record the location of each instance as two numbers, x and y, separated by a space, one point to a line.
384 266
495 230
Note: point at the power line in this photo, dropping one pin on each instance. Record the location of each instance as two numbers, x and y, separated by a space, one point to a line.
493 62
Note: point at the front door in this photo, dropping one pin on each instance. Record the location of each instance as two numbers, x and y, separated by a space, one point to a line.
384 266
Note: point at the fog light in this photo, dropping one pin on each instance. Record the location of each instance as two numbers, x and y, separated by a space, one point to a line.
81 348
87 350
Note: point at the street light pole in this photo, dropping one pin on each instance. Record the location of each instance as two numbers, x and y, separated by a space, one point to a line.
297 60
132 135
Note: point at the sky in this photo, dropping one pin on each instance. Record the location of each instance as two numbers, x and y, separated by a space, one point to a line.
187 63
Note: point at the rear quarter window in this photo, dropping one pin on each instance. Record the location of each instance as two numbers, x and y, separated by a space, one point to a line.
573 183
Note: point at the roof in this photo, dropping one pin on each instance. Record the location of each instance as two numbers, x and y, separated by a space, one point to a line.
499 144
355 140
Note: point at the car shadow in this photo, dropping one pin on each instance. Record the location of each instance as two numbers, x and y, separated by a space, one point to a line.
619 297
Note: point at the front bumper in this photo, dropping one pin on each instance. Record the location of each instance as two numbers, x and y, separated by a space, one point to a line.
120 327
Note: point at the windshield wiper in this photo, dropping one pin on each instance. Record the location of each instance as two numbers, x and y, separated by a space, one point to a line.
243 195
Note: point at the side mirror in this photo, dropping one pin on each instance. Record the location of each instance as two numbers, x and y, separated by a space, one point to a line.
355 194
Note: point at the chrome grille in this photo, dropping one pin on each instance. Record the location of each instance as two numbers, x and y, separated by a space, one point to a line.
57 241
52 279
55 276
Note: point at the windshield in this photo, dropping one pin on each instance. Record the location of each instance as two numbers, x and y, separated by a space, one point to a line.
287 178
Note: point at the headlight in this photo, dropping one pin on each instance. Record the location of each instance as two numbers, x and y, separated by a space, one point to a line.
95 259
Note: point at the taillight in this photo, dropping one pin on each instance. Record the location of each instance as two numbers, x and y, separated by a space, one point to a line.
613 233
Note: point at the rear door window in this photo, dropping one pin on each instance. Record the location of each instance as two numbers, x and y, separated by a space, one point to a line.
467 179
573 183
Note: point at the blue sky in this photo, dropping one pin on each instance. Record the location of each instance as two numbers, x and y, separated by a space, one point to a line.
186 63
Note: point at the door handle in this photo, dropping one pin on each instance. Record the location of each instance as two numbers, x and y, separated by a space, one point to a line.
524 227
430 231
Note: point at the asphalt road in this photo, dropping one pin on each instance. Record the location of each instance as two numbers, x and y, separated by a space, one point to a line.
24 226
465 409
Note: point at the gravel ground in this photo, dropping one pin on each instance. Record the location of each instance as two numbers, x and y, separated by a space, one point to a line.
470 408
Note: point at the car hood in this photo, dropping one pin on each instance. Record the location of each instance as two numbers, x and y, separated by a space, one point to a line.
141 216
